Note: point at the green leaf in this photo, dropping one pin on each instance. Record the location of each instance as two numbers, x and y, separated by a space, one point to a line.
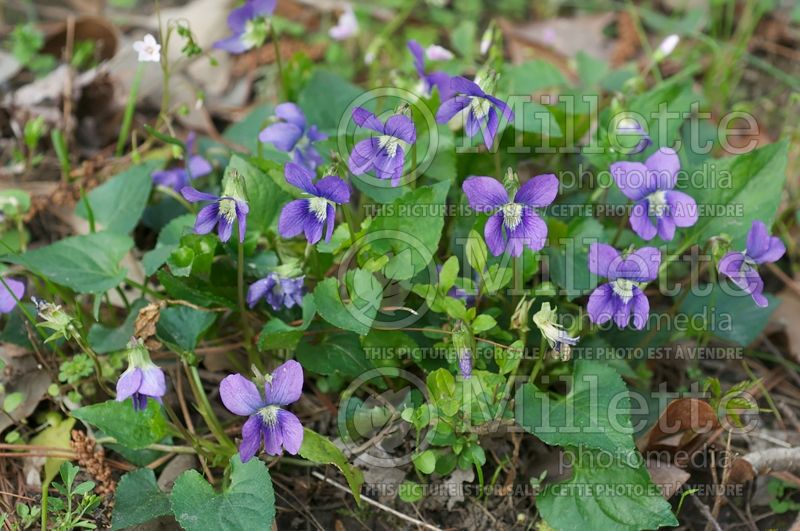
326 98
319 449
425 462
182 326
750 184
168 240
590 69
12 401
278 335
245 132
532 117
530 77
247 503
613 497
131 428
477 253
727 313
54 436
264 197
569 257
138 499
482 323
118 204
409 239
178 289
336 353
104 339
87 264
448 274
358 313
595 413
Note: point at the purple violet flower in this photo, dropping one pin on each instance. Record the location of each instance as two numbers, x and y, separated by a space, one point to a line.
309 215
267 420
221 213
178 177
480 106
514 223
629 127
248 25
142 379
11 294
658 208
742 268
465 363
279 292
382 152
293 135
623 296
437 79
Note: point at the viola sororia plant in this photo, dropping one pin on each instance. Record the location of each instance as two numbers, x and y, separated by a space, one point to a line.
390 265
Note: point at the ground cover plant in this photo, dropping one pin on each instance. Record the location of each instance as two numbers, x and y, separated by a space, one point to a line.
400 264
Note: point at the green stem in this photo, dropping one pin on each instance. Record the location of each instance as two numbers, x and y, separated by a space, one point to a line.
413 181
127 118
537 367
205 409
98 371
144 289
176 196
168 448
279 63
248 332
348 215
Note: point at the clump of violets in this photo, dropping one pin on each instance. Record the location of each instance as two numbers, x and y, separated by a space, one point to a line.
195 166
482 110
223 211
436 79
622 297
11 291
278 291
546 319
514 223
309 215
142 380
742 267
292 134
382 152
249 25
267 420
658 208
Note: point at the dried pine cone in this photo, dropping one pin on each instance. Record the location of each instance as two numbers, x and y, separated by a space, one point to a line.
94 462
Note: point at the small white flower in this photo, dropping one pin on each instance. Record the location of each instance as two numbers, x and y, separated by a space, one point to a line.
148 49
434 52
346 27
667 46
369 57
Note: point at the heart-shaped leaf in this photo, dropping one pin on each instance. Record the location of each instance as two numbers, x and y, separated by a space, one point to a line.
248 502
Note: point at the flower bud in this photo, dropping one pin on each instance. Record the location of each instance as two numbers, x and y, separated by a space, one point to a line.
55 319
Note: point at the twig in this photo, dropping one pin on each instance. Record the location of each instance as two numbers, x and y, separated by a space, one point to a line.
773 459
380 505
703 508
786 279
726 471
